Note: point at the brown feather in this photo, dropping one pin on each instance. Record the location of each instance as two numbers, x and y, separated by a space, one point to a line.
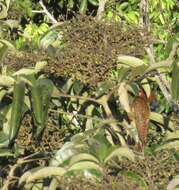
141 113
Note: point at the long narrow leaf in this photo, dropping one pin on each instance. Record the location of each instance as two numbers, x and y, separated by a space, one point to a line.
83 157
17 109
4 140
120 152
39 173
41 95
36 104
175 82
130 61
83 6
84 165
169 145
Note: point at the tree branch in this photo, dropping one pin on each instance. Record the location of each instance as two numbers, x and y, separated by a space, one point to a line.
54 21
78 97
102 120
101 9
144 15
163 85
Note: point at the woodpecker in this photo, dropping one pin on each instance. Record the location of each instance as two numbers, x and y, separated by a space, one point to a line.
141 113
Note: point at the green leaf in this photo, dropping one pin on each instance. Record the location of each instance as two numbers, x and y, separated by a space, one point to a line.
132 17
138 71
146 87
4 140
83 6
137 179
123 5
36 102
6 152
10 23
53 184
121 152
175 82
24 71
83 157
6 81
94 2
40 173
70 4
3 11
89 173
172 135
68 150
7 43
130 61
174 38
83 165
48 38
40 66
3 50
77 87
43 28
99 145
161 19
159 119
41 92
17 109
169 145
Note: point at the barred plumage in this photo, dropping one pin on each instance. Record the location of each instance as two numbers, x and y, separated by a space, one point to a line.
141 113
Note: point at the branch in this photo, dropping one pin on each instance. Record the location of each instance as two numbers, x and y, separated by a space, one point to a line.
54 21
11 178
101 9
173 51
103 101
102 120
79 97
144 15
38 11
165 63
159 78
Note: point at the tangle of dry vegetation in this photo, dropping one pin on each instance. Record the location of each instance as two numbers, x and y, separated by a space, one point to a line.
157 170
90 50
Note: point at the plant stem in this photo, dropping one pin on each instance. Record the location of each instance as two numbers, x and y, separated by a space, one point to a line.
50 16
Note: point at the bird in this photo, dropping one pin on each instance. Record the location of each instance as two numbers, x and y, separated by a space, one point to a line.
141 113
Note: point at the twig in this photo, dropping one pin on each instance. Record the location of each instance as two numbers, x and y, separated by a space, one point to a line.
101 8
11 176
173 51
54 21
110 120
162 83
165 63
103 121
36 11
80 97
103 101
144 16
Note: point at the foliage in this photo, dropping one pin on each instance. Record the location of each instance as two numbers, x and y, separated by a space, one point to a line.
87 153
127 11
32 34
